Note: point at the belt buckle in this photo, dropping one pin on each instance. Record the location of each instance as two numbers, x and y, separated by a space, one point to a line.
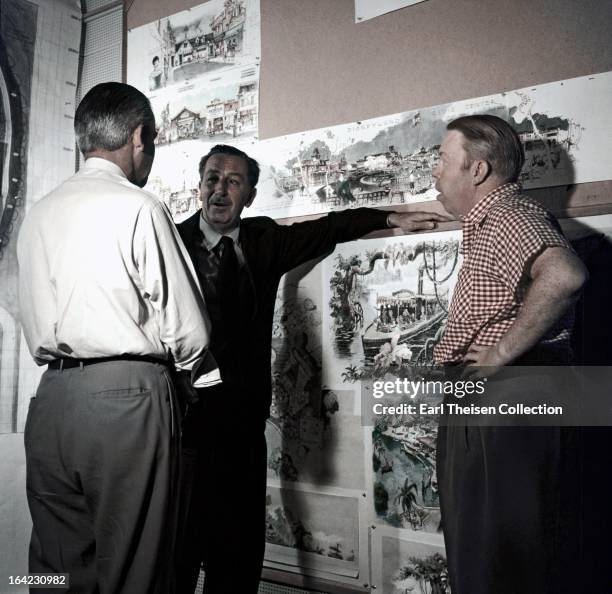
63 360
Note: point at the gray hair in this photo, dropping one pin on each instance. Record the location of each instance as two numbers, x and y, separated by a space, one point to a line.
493 140
108 115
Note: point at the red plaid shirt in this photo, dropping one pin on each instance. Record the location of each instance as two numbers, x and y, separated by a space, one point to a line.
502 236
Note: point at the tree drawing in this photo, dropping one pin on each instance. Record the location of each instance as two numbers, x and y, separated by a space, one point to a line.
430 573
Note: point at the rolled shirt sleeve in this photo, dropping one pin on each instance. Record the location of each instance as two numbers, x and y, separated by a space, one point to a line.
532 232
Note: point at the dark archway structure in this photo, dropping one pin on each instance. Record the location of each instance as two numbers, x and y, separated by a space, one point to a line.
11 148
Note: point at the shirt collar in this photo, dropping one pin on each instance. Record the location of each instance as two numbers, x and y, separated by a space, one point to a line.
213 237
104 165
479 211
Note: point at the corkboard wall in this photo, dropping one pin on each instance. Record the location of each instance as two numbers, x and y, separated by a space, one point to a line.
319 68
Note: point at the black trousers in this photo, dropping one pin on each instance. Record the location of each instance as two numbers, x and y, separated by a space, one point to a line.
511 497
224 493
102 445
510 501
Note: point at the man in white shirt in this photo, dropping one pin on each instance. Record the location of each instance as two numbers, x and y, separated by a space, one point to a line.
110 302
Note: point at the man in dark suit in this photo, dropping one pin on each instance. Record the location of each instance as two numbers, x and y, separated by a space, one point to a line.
240 263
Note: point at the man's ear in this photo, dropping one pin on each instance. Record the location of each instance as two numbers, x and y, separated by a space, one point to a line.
137 140
200 197
251 197
480 170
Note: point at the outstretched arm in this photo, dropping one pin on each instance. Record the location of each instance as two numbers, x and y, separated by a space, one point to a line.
300 242
416 221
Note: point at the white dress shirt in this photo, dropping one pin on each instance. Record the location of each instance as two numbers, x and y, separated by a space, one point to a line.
104 273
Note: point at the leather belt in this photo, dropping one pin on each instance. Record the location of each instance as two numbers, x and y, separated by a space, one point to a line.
69 362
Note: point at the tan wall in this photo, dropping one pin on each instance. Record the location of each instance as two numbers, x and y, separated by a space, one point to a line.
320 68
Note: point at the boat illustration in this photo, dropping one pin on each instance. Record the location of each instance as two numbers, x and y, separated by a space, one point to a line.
403 317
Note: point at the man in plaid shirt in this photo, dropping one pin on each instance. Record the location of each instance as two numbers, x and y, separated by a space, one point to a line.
513 304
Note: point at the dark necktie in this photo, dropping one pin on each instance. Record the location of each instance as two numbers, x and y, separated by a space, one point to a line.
229 269
234 292
230 300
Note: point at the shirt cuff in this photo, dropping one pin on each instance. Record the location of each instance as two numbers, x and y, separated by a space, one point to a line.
212 378
205 372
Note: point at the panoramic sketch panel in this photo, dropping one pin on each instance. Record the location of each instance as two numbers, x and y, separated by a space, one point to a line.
564 127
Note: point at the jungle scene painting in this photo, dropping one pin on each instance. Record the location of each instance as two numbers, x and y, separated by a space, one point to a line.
405 486
387 305
387 302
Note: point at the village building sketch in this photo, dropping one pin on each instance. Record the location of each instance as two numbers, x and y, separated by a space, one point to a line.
175 178
204 39
183 197
401 564
219 109
386 303
564 126
203 87
312 530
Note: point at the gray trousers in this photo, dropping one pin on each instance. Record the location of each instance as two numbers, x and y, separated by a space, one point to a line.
102 446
